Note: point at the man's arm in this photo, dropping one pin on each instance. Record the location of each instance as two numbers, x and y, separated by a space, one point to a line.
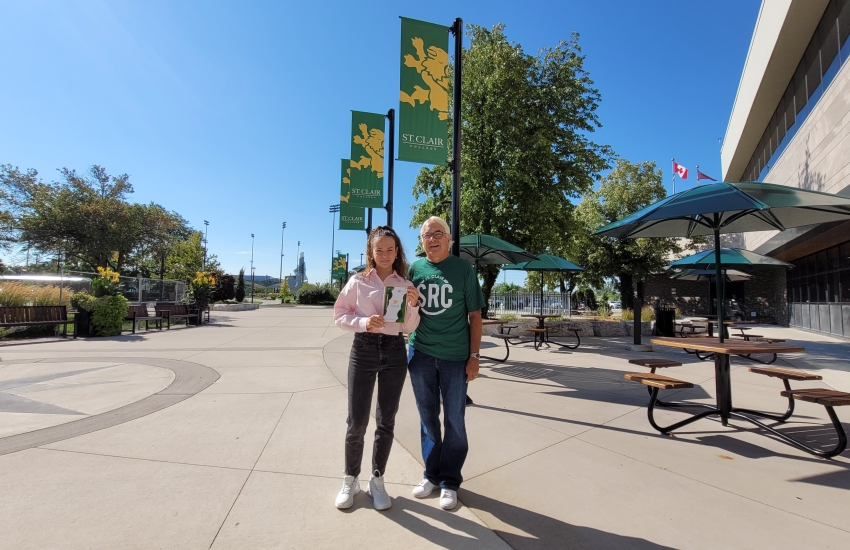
474 344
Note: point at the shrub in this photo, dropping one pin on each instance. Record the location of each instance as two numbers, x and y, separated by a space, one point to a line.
646 314
106 283
14 294
604 310
311 294
225 288
81 300
108 314
509 317
201 289
240 286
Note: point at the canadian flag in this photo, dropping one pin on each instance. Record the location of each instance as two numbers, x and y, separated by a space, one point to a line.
681 170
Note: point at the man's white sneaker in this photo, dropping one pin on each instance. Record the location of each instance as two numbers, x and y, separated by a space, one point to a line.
350 487
380 499
424 489
448 499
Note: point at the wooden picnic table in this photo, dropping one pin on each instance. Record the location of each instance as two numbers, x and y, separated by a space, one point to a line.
726 326
722 351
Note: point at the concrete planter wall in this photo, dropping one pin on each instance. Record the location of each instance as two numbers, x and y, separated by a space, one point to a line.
235 307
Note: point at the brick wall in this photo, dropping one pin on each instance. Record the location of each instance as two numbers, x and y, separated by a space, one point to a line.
764 294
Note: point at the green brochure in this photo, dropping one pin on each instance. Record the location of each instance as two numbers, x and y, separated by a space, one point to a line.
395 304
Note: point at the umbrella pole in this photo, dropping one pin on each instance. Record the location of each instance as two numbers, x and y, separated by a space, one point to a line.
718 280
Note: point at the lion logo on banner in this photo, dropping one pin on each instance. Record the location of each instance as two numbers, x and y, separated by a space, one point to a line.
434 70
339 264
373 141
346 180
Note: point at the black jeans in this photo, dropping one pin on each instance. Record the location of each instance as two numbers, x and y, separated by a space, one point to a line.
384 357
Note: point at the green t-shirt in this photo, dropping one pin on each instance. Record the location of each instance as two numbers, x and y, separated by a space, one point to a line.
449 291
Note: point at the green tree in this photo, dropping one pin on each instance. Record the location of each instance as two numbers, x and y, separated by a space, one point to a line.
86 217
240 286
626 189
186 259
526 151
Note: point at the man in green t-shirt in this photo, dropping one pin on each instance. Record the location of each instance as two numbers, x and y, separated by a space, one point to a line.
443 357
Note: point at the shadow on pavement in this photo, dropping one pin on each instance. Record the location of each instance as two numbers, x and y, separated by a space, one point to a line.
524 529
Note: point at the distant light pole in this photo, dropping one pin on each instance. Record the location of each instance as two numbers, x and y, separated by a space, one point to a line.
298 262
206 232
252 268
361 258
280 277
333 210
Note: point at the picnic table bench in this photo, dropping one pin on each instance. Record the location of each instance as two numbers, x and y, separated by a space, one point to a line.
175 312
140 313
28 316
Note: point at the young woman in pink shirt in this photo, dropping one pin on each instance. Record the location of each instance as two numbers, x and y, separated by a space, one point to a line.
378 352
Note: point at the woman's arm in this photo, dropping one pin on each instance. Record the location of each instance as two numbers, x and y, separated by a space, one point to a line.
345 312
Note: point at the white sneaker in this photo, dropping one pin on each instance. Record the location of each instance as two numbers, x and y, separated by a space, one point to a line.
448 499
350 487
424 489
380 499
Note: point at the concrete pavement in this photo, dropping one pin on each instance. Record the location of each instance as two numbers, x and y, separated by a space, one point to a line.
231 436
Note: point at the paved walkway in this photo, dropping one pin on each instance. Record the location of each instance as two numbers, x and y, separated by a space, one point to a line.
231 435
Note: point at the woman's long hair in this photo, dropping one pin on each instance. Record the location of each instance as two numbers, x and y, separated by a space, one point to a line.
400 263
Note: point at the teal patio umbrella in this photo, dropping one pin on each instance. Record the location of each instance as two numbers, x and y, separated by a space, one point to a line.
489 250
728 257
545 262
729 208
729 275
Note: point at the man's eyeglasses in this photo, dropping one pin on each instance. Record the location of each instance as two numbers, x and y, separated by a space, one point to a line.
436 235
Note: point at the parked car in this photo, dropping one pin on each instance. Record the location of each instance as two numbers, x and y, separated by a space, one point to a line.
615 305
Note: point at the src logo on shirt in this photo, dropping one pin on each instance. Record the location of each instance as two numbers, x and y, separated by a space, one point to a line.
435 292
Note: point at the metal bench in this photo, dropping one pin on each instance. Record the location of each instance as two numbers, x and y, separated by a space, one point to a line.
137 314
30 316
175 312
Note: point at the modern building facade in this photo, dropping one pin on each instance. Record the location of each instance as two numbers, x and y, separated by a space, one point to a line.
790 125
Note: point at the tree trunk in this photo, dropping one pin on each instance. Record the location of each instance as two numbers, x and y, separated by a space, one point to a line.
626 288
489 273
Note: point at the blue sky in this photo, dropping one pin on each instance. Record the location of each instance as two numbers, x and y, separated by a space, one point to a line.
238 112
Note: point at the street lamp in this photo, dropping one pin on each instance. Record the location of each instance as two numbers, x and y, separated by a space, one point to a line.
280 276
206 232
333 210
252 268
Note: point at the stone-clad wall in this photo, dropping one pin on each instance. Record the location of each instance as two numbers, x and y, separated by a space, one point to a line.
765 294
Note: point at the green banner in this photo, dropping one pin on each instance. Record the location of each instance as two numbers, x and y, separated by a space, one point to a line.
350 217
423 112
340 267
367 159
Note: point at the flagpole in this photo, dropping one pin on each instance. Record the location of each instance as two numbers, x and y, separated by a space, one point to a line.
391 168
457 31
697 175
673 179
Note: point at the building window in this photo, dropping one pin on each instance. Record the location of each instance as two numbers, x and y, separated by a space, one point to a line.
827 51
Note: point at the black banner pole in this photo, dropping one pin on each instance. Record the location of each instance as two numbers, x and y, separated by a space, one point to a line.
457 30
391 168
369 222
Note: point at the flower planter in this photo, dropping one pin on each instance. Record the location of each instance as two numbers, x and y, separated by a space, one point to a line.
82 323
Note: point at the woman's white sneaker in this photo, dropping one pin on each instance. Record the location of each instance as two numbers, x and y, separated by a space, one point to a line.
424 489
380 499
448 499
350 487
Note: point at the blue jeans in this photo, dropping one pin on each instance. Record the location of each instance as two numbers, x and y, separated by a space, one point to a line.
443 454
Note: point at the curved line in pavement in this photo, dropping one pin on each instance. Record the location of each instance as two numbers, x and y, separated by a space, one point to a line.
189 379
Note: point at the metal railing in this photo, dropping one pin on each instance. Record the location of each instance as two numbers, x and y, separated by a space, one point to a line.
528 303
142 290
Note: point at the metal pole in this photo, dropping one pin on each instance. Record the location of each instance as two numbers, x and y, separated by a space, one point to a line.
206 232
390 168
252 268
333 210
457 30
369 223
673 179
718 281
280 276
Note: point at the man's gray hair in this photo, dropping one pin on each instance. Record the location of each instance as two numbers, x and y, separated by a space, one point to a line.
438 220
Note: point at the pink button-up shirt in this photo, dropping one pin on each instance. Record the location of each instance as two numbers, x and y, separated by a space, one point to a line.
363 297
